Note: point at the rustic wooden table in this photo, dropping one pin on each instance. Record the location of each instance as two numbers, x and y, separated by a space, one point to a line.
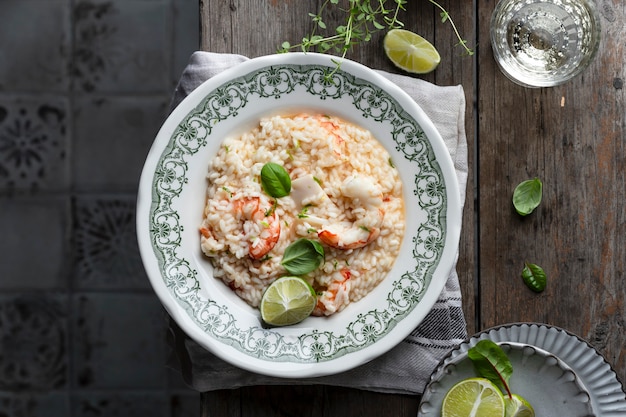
573 137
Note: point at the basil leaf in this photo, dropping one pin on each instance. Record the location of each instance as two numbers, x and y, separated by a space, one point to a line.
491 362
534 277
303 256
275 180
527 196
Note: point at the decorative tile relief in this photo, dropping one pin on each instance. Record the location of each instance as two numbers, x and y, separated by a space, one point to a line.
119 341
84 87
112 138
107 253
34 45
33 336
121 46
34 248
33 143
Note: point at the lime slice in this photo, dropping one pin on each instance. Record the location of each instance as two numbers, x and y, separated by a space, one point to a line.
518 407
410 52
288 300
473 397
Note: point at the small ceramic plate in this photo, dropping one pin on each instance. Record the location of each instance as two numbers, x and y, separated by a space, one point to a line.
172 195
557 372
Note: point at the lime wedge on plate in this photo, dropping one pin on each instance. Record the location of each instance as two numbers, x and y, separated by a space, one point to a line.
288 300
518 407
410 52
473 397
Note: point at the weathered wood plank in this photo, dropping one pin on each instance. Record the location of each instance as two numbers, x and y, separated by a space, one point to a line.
572 137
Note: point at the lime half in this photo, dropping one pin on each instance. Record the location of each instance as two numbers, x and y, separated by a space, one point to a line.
288 300
518 407
410 52
473 397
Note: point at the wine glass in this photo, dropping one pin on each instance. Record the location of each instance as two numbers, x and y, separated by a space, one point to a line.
544 43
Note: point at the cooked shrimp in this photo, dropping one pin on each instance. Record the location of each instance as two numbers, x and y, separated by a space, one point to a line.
366 199
261 222
336 296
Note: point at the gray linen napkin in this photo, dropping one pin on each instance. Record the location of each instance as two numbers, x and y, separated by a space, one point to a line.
406 368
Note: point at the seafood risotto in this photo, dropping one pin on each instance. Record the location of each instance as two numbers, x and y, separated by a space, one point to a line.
345 194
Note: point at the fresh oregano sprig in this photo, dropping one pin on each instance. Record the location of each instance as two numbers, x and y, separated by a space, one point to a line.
445 17
361 22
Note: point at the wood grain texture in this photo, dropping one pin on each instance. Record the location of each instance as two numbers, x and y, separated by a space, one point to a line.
572 137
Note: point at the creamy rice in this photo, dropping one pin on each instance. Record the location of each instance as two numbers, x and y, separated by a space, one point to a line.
319 153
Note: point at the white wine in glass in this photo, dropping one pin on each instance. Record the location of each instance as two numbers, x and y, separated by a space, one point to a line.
543 43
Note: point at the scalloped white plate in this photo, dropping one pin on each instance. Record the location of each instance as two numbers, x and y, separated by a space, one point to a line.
577 381
172 196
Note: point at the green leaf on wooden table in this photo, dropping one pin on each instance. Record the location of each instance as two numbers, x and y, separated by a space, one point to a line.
491 362
527 196
534 277
275 180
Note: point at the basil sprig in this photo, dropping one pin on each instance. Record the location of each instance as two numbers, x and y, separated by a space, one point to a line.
527 196
303 256
275 180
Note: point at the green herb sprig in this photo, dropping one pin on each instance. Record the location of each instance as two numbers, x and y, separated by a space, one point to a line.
362 20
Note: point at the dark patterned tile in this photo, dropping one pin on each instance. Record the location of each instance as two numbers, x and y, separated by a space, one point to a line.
94 352
112 138
36 404
34 340
120 404
34 249
119 341
121 46
107 253
34 45
33 143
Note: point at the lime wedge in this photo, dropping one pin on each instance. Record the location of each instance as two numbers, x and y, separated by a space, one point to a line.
473 397
518 407
410 52
288 300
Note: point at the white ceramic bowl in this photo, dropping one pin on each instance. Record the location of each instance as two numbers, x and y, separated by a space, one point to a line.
172 195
